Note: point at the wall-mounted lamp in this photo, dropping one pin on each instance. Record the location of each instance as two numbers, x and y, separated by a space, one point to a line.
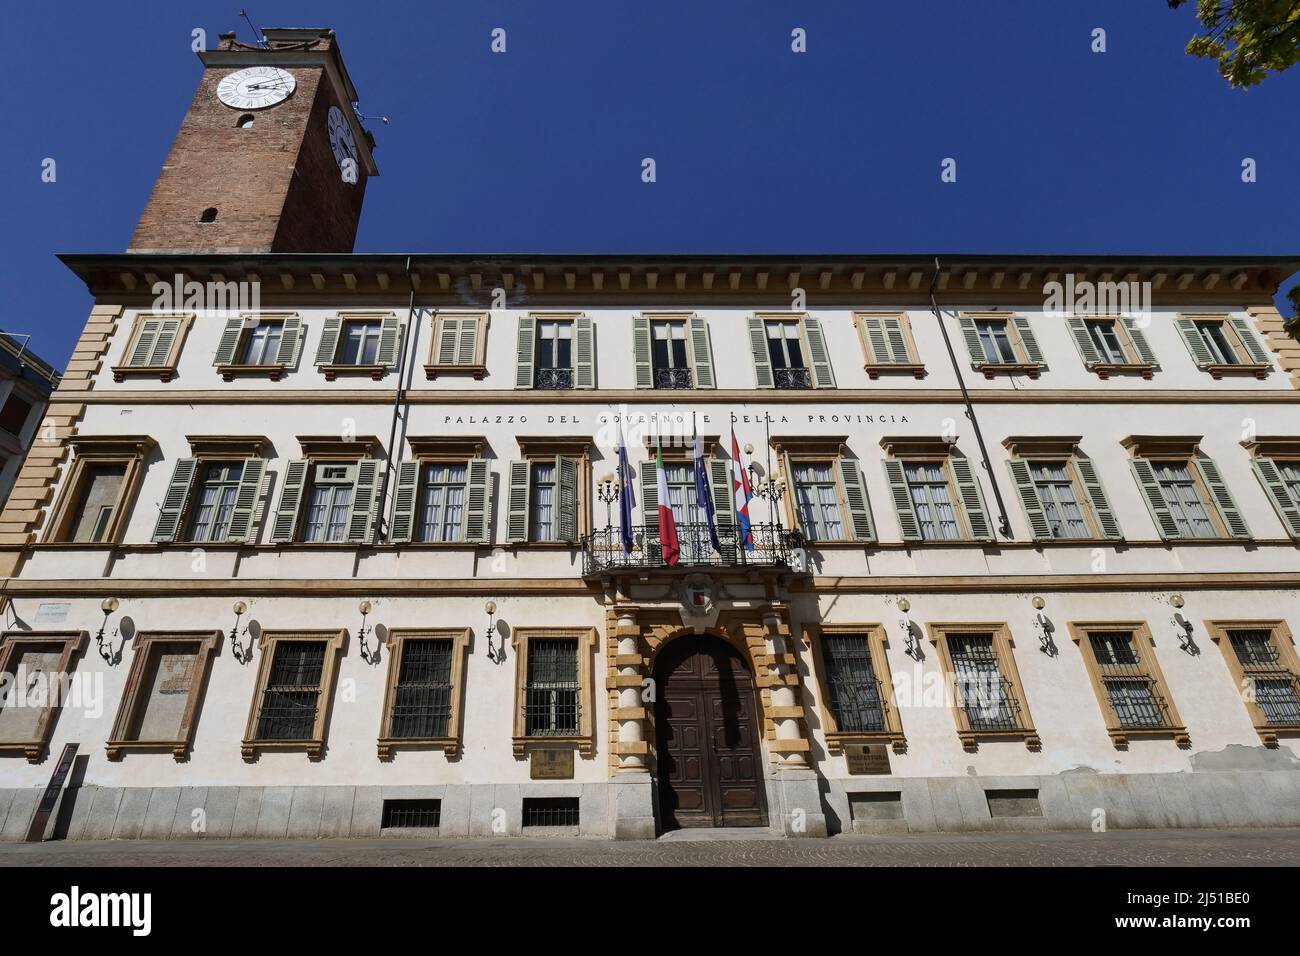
496 655
125 629
243 653
911 647
1182 627
1045 628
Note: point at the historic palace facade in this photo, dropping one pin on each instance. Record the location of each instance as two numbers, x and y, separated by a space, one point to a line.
345 557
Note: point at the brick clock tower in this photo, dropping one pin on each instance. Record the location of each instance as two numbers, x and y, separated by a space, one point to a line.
271 157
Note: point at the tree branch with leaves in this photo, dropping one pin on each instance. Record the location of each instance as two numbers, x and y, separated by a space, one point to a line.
1249 38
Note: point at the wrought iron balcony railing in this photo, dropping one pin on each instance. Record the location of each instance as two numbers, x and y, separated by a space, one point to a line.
774 546
554 378
793 378
673 378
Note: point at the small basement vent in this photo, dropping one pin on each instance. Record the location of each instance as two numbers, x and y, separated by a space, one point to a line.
1013 803
870 807
550 811
411 814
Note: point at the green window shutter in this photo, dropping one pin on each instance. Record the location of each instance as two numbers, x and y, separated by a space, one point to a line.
893 327
243 518
329 340
478 502
517 503
229 342
874 328
908 525
365 491
584 353
762 361
402 525
1192 339
1254 348
1154 497
1288 509
701 351
467 344
173 505
641 351
389 333
566 481
972 337
1029 500
1140 344
162 348
142 351
291 336
823 375
448 332
527 345
286 513
1101 508
724 507
972 499
1223 500
650 511
855 495
1083 341
1032 351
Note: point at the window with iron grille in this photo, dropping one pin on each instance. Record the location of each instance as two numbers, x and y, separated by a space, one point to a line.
982 690
552 691
411 814
852 689
215 501
1131 690
422 696
550 811
292 692
1271 682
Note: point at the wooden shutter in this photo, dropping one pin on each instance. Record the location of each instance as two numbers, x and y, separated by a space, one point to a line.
329 340
566 486
873 329
401 527
291 335
697 330
467 343
229 342
1027 339
1083 341
972 337
517 502
855 495
174 501
243 518
762 361
898 353
286 513
908 525
168 329
1222 497
724 506
526 346
1039 528
650 512
389 332
1192 339
1140 344
1154 497
448 333
584 353
478 502
641 354
972 499
365 491
1250 341
1101 509
823 375
142 350
1288 509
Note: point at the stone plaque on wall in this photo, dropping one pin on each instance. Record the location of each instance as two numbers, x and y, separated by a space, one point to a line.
867 758
551 764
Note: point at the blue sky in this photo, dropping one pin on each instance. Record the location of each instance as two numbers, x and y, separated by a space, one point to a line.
758 149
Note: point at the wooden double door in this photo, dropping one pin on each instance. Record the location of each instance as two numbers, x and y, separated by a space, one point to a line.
708 759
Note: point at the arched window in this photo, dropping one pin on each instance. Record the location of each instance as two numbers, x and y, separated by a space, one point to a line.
209 215
245 121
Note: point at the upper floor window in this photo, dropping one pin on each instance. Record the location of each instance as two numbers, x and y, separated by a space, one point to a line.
368 342
935 493
329 502
360 344
546 500
441 496
214 496
887 344
1222 345
1110 345
14 414
668 355
995 341
554 354
1000 343
1184 490
785 352
100 490
555 351
1105 339
215 506
154 346
1059 489
259 342
695 545
672 350
100 486
817 497
1280 477
459 344
789 351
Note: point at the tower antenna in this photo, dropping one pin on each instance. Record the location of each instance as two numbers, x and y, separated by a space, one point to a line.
257 34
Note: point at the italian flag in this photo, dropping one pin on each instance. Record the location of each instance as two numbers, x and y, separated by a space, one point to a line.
667 527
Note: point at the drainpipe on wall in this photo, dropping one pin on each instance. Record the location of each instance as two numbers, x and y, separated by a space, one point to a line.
400 393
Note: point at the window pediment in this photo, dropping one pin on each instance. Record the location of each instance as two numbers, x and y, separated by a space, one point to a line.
1063 446
227 446
904 446
571 446
448 446
331 446
1273 447
829 445
1144 446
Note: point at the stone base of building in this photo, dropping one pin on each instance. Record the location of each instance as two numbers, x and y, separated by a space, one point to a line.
803 805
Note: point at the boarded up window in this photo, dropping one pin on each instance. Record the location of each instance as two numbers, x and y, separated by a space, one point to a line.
34 686
165 692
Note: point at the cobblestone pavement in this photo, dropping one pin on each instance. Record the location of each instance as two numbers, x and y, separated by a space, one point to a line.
1117 848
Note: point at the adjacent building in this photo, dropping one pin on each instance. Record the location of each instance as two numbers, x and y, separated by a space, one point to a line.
26 382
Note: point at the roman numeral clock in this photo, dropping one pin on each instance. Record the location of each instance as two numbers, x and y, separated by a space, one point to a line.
256 88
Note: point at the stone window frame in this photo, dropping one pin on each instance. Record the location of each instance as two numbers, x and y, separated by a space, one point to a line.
698 345
1144 646
144 647
832 449
329 364
74 645
1023 342
89 451
326 450
1132 340
1236 329
461 643
877 640
583 344
477 366
585 740
1003 649
272 370
926 450
205 450
166 370
875 364
1267 454
1038 449
314 746
446 450
1184 450
1284 643
812 338
538 449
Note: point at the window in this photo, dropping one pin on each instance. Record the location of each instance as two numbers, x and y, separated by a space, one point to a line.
213 499
1001 343
695 546
360 345
154 345
208 215
216 501
262 346
1215 339
935 493
294 685
1128 682
995 341
556 351
542 519
100 491
554 354
1223 345
826 496
259 343
1184 490
1105 339
1062 497
368 342
1061 506
1281 480
927 486
160 704
785 352
459 344
856 696
440 497
887 344
1183 499
14 414
245 121
817 498
327 501
425 679
1262 660
553 689
442 503
1109 345
100 487
668 351
37 665
988 699
789 351
546 499
672 351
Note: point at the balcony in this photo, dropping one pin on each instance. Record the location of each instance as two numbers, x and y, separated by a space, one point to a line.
554 378
774 547
793 378
673 378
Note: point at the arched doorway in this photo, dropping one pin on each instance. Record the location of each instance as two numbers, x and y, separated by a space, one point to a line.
708 761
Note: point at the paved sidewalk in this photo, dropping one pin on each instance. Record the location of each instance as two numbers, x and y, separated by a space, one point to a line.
1116 848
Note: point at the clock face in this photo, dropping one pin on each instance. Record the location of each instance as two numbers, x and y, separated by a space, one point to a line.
255 88
342 141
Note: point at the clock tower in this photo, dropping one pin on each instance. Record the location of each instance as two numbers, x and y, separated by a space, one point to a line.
271 157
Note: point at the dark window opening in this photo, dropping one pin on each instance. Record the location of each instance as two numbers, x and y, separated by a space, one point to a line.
550 811
245 121
411 814
14 414
289 701
209 215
